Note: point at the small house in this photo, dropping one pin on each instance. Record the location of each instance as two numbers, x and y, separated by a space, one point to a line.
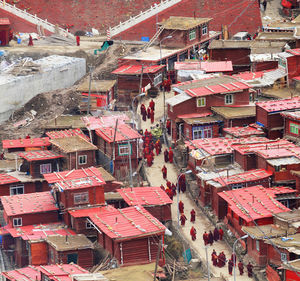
243 132
288 220
76 150
30 247
131 77
153 199
37 163
268 115
190 109
245 154
183 31
291 125
4 31
291 270
261 203
256 245
66 133
14 183
75 249
26 144
231 182
64 122
101 92
132 235
28 209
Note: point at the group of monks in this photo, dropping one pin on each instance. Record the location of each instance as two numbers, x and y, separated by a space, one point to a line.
183 218
210 237
149 146
220 261
149 112
168 155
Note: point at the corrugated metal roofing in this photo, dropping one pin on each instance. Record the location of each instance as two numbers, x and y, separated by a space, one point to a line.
79 183
40 231
252 175
280 105
131 222
73 174
6 179
295 52
123 133
195 115
279 152
239 132
294 115
255 202
93 123
4 21
66 133
22 143
145 196
28 203
207 66
39 155
137 69
61 269
178 99
284 161
79 213
23 274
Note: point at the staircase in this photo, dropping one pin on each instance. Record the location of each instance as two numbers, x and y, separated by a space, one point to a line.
153 38
33 19
152 11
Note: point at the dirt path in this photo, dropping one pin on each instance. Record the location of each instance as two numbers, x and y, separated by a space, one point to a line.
202 223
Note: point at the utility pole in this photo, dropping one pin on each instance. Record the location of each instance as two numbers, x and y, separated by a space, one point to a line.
141 79
207 264
90 83
130 166
114 143
157 258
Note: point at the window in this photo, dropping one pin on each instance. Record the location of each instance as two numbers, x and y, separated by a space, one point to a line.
192 34
294 128
257 245
157 79
241 221
202 132
16 189
277 168
82 159
201 102
197 132
236 186
46 168
17 222
229 99
81 198
283 257
124 149
88 225
204 29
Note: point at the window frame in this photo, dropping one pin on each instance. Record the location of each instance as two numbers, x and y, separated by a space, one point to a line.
231 99
192 34
122 146
16 186
79 159
283 257
157 79
204 29
294 128
257 245
49 169
17 224
82 195
201 102
88 225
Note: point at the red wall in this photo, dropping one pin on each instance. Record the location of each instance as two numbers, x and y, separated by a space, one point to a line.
291 275
265 65
293 66
38 218
259 257
237 56
287 127
274 257
262 116
162 213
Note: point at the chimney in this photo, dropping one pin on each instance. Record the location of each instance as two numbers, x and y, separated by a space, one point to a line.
252 198
116 220
194 14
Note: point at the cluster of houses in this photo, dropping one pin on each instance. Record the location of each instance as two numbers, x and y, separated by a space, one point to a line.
237 114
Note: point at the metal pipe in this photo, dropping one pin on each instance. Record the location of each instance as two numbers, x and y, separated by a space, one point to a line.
207 264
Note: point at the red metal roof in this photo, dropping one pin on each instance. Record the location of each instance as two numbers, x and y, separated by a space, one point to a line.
85 212
41 231
255 202
137 69
39 155
28 203
240 132
267 144
194 115
123 133
60 270
280 105
6 179
67 133
145 196
218 146
252 175
247 76
295 52
294 115
74 174
29 273
4 21
21 143
207 66
279 152
217 89
126 223
79 183
93 123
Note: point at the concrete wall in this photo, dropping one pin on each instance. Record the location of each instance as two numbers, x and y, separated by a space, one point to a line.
57 72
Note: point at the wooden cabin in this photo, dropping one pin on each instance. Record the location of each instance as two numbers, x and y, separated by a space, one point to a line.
26 144
4 31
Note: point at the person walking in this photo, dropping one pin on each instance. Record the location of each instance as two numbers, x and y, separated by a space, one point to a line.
166 155
230 267
171 155
216 234
250 270
183 219
168 126
241 268
205 238
78 40
210 238
221 233
193 233
193 215
152 116
181 206
149 112
164 171
152 104
233 258
264 5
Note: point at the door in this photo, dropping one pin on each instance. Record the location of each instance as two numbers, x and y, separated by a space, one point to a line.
72 258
